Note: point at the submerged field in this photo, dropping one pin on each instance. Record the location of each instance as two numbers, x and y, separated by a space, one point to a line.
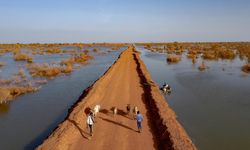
211 101
210 82
29 118
204 51
26 67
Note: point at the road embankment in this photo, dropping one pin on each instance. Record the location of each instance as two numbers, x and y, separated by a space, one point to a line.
126 82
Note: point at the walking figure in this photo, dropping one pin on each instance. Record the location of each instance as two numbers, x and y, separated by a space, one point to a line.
139 120
90 123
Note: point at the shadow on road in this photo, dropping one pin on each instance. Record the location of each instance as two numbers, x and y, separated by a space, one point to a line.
119 112
151 113
104 111
79 128
117 123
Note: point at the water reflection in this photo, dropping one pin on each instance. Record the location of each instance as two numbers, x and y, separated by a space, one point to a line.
33 116
213 106
4 107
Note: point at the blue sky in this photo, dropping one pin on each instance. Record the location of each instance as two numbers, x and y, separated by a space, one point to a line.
30 21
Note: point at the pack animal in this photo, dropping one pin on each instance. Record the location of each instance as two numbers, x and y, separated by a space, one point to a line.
135 110
96 110
115 110
128 109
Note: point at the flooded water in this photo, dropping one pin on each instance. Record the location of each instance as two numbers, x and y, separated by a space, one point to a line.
213 106
29 119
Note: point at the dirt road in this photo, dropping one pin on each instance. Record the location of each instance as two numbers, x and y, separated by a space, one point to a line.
124 83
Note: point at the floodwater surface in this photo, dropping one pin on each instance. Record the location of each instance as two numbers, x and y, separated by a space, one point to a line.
213 106
26 121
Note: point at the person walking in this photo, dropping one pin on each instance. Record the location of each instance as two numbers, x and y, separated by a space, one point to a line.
139 120
90 123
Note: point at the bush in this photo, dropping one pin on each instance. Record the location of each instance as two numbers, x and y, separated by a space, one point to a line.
192 56
9 93
4 94
246 68
68 62
209 55
43 70
82 58
21 73
2 64
67 69
5 81
95 50
173 59
225 54
22 57
41 81
54 51
86 51
202 67
77 58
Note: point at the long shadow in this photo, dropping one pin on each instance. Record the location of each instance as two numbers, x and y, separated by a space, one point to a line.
61 118
123 113
104 111
154 121
119 112
79 128
116 123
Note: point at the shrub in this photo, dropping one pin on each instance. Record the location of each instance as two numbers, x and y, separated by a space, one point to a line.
95 50
67 69
69 51
5 81
2 64
114 48
22 57
9 93
41 81
86 51
194 60
202 67
225 54
246 68
173 59
82 58
21 73
44 70
77 58
48 71
209 55
4 94
192 56
54 51
68 62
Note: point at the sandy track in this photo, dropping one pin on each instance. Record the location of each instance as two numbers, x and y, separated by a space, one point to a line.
123 84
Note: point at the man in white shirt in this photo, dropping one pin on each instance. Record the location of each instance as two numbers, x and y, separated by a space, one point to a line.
90 122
